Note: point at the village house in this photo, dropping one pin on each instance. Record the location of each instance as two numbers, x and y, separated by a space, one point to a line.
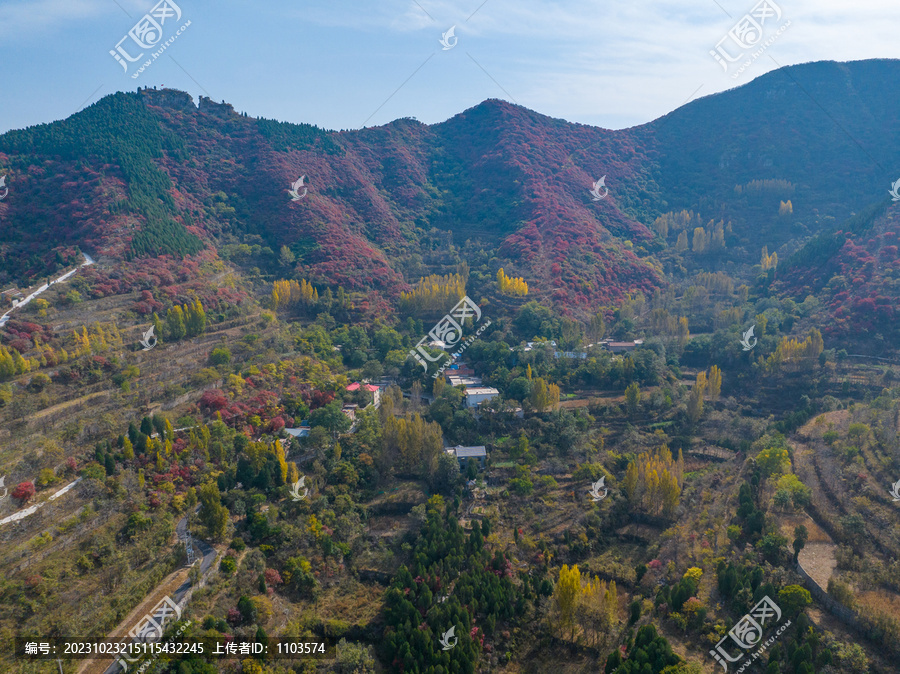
10 297
301 431
370 388
458 380
463 454
461 369
621 347
570 354
479 394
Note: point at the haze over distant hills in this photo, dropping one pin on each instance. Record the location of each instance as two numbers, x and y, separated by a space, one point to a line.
150 173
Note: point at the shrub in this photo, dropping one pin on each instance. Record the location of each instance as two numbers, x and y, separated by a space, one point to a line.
355 658
24 492
46 477
220 356
521 486
94 470
248 610
228 565
841 592
588 471
39 382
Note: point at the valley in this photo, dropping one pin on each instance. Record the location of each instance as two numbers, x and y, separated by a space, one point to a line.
678 402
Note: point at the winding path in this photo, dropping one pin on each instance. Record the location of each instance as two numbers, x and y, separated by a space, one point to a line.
206 562
88 260
22 514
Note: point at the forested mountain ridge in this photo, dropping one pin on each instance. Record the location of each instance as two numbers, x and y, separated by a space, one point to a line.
149 173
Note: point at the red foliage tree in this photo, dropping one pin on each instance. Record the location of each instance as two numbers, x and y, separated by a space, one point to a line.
214 399
24 492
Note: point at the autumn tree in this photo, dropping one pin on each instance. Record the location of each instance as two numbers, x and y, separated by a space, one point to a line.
792 354
412 444
653 481
695 402
597 327
509 285
565 599
768 261
585 603
433 294
683 331
597 611
291 294
212 513
24 492
194 318
632 398
698 244
543 395
175 328
714 382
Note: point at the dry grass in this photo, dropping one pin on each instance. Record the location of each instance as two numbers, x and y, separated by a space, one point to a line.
354 602
879 601
787 523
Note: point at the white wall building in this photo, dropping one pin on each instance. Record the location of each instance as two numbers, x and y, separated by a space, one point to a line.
479 394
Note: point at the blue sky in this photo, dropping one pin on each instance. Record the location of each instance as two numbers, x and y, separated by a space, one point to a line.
348 63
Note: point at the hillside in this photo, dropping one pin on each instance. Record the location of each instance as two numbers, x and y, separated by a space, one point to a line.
665 407
149 172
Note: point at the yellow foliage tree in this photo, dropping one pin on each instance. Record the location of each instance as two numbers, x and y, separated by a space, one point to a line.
544 396
597 610
695 402
683 331
768 261
289 294
415 443
653 481
434 293
698 245
793 355
565 598
511 285
714 382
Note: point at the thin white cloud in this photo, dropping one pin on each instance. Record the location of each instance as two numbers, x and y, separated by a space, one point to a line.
24 19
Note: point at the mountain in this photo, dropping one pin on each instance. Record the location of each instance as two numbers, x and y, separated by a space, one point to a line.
149 173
